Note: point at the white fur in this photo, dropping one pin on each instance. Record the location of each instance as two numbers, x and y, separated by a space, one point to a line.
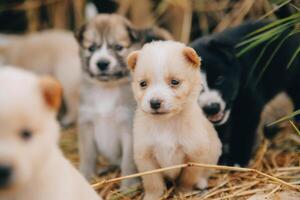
39 169
105 126
181 135
51 52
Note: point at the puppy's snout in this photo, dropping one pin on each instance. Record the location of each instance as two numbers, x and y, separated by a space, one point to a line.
155 104
212 109
103 65
5 175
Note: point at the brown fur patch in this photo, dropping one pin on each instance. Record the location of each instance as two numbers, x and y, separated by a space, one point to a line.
51 91
132 59
192 57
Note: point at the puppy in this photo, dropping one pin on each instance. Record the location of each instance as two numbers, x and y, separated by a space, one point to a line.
169 126
31 165
236 89
107 104
51 52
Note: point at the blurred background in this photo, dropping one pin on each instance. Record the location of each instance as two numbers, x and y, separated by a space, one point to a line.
185 19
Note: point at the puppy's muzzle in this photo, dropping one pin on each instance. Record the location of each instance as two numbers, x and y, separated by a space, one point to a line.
212 109
214 113
5 175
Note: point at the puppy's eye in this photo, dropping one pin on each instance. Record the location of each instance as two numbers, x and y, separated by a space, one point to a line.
118 47
143 84
175 82
25 134
92 48
219 80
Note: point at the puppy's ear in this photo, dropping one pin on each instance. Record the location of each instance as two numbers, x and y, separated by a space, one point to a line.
132 59
155 33
79 33
192 57
51 92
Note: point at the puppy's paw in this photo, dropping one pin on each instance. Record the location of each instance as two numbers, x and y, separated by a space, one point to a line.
130 183
151 197
107 169
184 189
202 184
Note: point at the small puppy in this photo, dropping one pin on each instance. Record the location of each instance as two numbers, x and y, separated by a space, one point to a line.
50 52
31 165
237 88
169 126
107 104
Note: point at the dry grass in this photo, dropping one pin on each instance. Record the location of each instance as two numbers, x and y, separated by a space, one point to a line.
275 168
175 14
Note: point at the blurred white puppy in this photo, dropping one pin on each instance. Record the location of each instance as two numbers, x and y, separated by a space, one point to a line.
51 52
169 126
31 165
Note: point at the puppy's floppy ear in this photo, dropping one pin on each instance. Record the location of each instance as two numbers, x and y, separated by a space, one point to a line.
79 33
192 57
132 59
155 33
51 92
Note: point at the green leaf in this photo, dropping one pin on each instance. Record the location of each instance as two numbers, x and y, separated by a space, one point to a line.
293 57
293 18
258 59
272 55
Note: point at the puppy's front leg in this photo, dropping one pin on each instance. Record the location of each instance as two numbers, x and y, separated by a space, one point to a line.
127 166
192 177
87 150
154 186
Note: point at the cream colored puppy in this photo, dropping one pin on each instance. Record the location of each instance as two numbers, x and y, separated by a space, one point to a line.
31 165
50 52
169 126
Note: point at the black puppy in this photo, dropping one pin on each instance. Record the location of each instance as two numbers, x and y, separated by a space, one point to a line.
237 88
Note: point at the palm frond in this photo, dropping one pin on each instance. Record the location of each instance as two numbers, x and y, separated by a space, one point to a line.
272 56
293 57
265 33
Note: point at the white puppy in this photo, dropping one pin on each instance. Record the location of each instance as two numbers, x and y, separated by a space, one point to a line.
50 52
31 165
169 126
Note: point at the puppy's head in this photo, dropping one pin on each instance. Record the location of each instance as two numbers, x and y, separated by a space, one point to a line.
107 40
220 78
165 76
28 127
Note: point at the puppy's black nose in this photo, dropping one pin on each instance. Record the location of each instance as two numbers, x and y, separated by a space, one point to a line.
155 104
212 109
5 175
103 65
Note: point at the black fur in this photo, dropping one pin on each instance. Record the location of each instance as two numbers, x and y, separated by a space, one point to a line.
245 95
